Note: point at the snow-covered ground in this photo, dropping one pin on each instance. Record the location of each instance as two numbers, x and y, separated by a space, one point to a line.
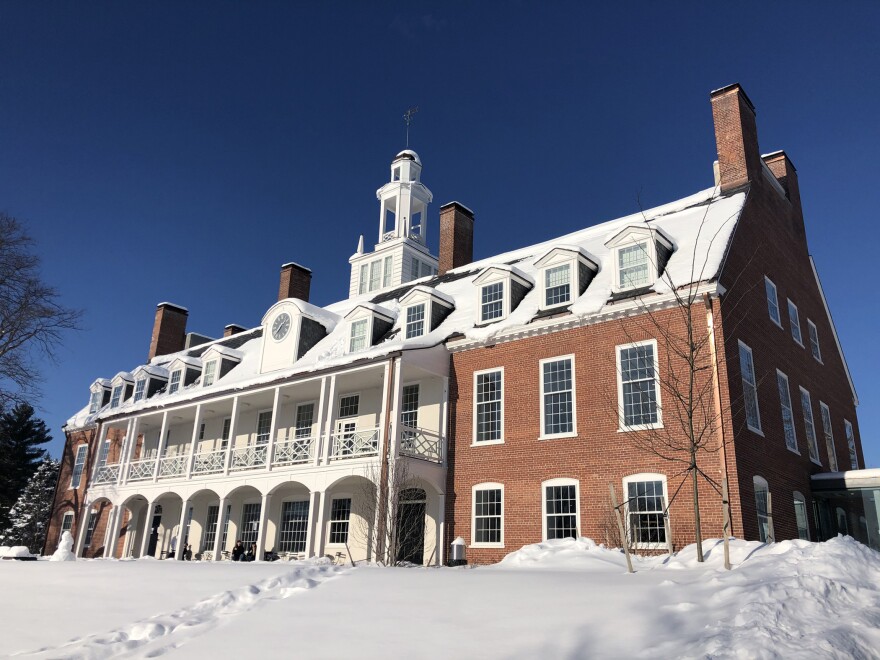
562 599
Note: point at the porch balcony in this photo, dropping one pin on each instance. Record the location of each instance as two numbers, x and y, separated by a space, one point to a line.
355 444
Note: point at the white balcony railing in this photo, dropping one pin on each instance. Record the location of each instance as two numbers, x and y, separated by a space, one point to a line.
209 462
291 452
355 444
142 469
419 443
249 458
172 466
107 474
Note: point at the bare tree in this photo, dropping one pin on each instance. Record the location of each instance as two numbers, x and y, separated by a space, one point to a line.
32 319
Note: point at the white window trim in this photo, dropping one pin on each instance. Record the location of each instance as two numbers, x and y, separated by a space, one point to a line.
254 443
777 322
815 332
830 447
795 496
98 396
814 441
79 447
646 476
486 486
425 319
572 283
760 482
121 388
794 450
651 257
484 443
574 426
68 515
751 428
367 335
622 427
180 382
315 421
330 521
339 403
799 340
850 434
505 301
561 481
216 373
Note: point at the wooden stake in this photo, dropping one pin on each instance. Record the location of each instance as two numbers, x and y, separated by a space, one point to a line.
725 504
629 566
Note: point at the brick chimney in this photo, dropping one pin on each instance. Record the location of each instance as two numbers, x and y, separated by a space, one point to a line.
232 329
782 168
295 282
456 236
169 330
736 136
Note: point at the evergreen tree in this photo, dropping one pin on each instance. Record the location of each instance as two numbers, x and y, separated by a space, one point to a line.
21 437
29 517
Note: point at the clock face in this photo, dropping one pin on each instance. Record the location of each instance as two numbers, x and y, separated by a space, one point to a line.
281 326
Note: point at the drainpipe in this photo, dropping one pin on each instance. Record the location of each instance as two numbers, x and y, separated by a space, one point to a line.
381 494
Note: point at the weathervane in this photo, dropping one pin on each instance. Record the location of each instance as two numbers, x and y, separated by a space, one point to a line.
408 118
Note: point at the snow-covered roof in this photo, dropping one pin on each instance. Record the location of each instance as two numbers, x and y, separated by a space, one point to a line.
410 154
150 370
225 351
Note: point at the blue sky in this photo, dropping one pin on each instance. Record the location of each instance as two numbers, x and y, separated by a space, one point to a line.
183 151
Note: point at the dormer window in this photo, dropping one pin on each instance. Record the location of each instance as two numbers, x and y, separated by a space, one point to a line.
425 308
492 302
358 340
499 290
210 373
140 388
116 398
95 401
557 285
415 321
174 385
639 255
566 272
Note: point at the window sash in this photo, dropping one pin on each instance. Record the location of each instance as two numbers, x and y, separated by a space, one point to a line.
294 526
105 449
814 340
558 389
772 301
95 402
632 263
800 516
415 321
305 417
388 269
409 410
761 492
488 511
638 378
250 524
78 466
492 301
750 388
646 504
787 414
560 519
210 372
362 279
375 274
557 285
90 528
358 335
795 322
809 426
210 531
349 405
851 445
489 394
264 427
828 432
139 388
117 396
174 385
339 520
67 522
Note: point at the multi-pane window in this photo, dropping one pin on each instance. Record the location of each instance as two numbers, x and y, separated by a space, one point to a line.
340 511
105 449
264 427
67 522
305 415
90 527
227 515
489 390
800 516
78 465
645 511
829 436
427 269
202 431
386 276
557 390
787 415
632 263
224 436
762 497
186 525
814 340
414 269
363 280
560 511
409 409
116 398
851 445
95 401
809 426
794 321
375 274
638 385
557 285
349 405
358 336
415 321
250 524
139 388
750 388
210 533
174 385
772 301
488 515
294 525
492 301
210 373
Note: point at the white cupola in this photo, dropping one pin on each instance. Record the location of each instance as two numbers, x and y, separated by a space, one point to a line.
401 253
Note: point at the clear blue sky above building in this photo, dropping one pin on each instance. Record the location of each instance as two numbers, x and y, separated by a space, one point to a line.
184 151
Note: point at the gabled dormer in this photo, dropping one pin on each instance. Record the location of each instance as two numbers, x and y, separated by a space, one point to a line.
183 371
565 273
121 388
422 310
147 381
290 328
366 325
500 288
639 255
218 361
99 395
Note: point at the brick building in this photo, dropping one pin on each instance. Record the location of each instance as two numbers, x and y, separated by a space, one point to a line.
511 391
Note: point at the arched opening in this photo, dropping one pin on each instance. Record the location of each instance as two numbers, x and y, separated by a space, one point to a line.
409 533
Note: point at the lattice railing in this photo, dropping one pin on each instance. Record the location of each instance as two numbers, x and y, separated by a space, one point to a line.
294 451
107 474
419 443
172 466
142 469
354 444
249 458
209 462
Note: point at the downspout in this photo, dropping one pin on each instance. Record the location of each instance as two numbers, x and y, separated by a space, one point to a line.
381 495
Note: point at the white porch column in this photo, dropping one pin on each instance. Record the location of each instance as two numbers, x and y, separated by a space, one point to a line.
114 533
81 530
233 427
320 535
264 519
396 400
273 430
108 531
321 439
96 463
132 445
148 527
218 537
178 551
383 413
160 449
123 451
195 438
441 531
328 422
314 503
444 420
